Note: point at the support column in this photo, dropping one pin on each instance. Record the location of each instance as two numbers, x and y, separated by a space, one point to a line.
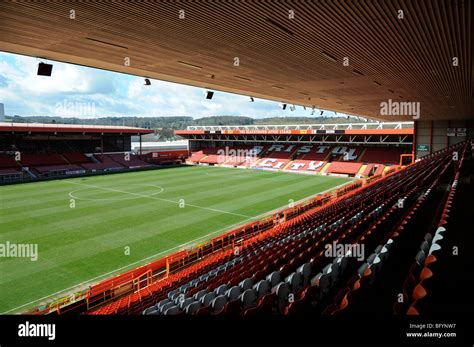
140 146
102 145
413 146
431 137
447 137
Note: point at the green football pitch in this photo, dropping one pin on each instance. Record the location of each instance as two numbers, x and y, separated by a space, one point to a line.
87 229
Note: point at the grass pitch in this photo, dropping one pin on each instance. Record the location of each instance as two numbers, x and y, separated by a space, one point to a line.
139 211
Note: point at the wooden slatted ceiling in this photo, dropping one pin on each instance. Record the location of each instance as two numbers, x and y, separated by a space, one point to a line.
282 59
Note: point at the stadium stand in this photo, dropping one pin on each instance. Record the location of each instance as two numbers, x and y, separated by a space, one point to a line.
387 155
345 160
230 156
7 161
42 159
10 170
292 262
276 156
197 156
344 168
125 159
62 154
76 158
49 165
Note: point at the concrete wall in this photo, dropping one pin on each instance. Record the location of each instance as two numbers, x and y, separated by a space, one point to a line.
434 134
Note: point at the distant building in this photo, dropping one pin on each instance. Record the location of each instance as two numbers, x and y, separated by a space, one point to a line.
2 113
148 147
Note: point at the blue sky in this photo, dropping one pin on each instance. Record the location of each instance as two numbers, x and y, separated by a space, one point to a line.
76 91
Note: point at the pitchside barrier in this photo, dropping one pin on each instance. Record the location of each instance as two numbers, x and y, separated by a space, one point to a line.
139 278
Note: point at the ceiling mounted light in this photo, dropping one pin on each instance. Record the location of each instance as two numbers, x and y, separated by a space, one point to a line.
104 43
329 57
284 106
357 72
251 99
147 82
243 78
279 26
209 95
192 66
321 113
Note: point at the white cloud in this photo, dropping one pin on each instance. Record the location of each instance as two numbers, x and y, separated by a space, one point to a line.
72 89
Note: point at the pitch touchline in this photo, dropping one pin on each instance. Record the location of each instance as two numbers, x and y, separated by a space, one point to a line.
160 199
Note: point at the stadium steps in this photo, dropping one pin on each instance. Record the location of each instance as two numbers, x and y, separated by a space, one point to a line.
361 155
257 162
328 155
379 170
368 169
287 165
202 159
325 167
66 160
93 158
29 172
264 152
293 153
229 159
361 170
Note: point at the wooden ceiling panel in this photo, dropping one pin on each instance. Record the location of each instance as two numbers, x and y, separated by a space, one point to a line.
299 60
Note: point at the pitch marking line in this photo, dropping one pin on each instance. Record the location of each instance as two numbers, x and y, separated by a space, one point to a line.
160 199
71 194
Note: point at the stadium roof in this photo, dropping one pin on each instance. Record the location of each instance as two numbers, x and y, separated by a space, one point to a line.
163 145
382 128
298 60
71 128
